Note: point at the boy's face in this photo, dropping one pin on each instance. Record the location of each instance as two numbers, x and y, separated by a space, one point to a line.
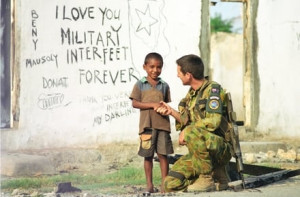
153 68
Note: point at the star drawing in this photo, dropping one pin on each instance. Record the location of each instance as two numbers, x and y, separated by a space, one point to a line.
146 20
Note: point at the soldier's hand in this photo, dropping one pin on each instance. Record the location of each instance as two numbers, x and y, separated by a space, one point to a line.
181 139
164 109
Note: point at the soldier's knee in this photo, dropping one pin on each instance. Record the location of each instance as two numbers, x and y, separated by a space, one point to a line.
172 184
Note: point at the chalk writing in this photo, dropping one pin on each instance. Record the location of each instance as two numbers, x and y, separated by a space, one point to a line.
34 17
117 105
71 37
101 44
50 101
89 99
41 60
83 13
114 106
110 116
146 20
94 53
58 82
118 96
109 14
76 13
106 76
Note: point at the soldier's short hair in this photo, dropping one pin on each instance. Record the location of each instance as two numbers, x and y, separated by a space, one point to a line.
192 64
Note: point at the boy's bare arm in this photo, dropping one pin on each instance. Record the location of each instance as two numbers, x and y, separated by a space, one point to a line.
144 105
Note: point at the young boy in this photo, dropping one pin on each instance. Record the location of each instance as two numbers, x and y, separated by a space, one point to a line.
154 129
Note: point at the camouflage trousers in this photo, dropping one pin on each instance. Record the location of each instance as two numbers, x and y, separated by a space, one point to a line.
206 150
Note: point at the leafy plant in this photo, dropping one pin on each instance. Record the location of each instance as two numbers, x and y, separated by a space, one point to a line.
218 24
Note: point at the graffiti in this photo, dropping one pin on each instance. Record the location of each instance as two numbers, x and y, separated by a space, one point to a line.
76 13
110 37
109 14
118 114
101 44
146 20
41 60
95 53
51 83
119 96
115 106
110 116
147 24
106 76
50 101
34 17
89 99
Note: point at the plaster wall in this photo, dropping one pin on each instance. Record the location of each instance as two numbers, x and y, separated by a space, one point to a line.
227 66
78 61
278 57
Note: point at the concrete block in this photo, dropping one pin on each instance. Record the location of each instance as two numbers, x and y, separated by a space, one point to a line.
256 147
25 165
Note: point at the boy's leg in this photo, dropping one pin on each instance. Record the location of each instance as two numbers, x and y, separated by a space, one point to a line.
164 168
148 166
147 148
164 147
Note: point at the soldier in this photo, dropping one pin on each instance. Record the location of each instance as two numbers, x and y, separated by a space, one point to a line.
200 118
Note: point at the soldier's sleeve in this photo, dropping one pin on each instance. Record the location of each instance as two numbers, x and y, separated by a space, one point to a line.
184 115
214 109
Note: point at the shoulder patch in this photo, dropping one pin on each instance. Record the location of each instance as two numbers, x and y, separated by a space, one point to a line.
214 104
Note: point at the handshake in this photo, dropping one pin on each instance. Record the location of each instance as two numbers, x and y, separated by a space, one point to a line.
163 109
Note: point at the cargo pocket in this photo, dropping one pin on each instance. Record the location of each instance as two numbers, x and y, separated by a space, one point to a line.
146 141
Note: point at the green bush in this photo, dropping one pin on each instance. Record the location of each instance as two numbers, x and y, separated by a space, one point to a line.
218 24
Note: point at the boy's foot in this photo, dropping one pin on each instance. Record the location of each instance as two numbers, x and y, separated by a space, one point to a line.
150 190
162 189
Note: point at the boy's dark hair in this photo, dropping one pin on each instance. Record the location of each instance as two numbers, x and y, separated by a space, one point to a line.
154 55
192 64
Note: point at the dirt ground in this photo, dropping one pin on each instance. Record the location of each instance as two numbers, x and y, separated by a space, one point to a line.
111 157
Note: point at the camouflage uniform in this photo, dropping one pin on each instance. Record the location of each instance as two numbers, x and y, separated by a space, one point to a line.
200 118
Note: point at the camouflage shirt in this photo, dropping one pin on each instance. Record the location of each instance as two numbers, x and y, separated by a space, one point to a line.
202 108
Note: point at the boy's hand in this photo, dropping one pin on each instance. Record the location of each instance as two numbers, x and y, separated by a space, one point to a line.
164 109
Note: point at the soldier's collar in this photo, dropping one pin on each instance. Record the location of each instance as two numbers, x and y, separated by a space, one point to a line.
194 92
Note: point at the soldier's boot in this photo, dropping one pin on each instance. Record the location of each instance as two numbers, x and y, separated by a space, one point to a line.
204 183
221 178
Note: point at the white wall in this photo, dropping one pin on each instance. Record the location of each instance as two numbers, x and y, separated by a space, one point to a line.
227 66
278 26
83 102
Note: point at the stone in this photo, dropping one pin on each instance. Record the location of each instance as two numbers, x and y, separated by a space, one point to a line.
250 158
18 164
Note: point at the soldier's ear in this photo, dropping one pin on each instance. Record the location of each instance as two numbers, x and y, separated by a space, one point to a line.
189 75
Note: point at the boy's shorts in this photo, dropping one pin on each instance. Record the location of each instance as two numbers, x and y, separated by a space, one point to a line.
153 140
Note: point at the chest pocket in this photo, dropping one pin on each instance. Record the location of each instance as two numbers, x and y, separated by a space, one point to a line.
200 107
